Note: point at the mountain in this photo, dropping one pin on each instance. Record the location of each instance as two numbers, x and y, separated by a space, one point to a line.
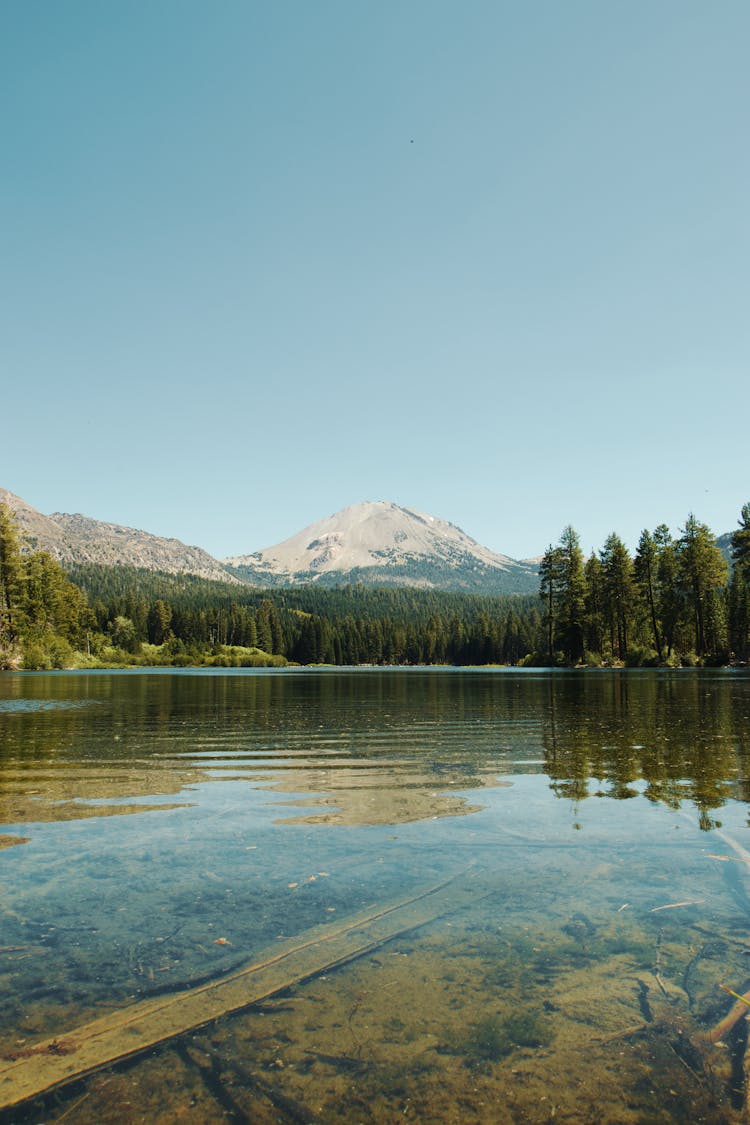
724 543
380 542
78 539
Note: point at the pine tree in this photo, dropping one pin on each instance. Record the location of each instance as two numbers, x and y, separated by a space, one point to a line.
263 626
739 587
573 596
594 605
550 591
10 575
646 575
670 603
159 619
277 633
562 589
703 571
619 594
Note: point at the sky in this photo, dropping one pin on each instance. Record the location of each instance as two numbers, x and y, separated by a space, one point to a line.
487 260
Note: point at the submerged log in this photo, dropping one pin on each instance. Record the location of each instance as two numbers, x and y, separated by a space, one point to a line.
130 1031
739 1009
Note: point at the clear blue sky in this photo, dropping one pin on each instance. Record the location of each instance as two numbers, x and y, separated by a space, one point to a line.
489 260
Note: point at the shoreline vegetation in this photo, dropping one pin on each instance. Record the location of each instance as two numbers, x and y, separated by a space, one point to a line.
678 602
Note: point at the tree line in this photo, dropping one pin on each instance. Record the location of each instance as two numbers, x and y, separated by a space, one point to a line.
675 601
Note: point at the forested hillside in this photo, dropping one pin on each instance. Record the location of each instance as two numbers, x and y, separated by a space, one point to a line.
308 625
676 601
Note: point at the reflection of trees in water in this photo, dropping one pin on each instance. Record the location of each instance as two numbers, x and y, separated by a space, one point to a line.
143 706
685 734
135 735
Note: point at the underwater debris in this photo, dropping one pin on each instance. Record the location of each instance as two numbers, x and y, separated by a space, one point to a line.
735 1014
675 905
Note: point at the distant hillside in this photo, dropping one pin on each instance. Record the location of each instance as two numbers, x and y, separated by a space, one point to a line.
77 539
378 543
724 543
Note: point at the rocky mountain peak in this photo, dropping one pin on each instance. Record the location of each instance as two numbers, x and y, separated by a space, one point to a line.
382 542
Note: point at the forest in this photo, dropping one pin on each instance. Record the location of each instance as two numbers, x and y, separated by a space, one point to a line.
677 601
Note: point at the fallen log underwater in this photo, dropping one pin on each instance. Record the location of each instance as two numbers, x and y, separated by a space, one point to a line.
127 1032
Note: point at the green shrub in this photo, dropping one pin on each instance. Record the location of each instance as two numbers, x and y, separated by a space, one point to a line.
60 652
641 656
36 658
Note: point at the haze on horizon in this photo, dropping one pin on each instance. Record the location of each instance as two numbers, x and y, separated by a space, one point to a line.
489 262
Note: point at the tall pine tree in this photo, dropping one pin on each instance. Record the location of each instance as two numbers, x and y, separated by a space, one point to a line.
703 572
739 588
10 576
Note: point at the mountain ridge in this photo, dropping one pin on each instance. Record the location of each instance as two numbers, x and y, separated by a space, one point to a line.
75 538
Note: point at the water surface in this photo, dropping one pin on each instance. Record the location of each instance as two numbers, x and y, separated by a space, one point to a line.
162 830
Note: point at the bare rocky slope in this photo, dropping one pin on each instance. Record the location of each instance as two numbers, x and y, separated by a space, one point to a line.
380 542
78 539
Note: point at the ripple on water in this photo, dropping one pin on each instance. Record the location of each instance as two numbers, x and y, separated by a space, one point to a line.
35 705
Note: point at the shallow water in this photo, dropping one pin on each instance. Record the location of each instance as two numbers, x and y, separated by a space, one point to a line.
164 830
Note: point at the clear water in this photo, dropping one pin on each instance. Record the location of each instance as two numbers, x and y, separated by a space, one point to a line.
160 831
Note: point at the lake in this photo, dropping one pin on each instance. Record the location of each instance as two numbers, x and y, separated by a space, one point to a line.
374 895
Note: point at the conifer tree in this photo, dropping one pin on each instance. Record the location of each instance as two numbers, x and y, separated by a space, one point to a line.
263 625
550 589
670 603
739 587
619 594
159 618
703 571
594 605
573 596
10 575
646 575
562 589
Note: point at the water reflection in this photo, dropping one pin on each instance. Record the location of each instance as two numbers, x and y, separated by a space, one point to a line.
373 747
686 736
